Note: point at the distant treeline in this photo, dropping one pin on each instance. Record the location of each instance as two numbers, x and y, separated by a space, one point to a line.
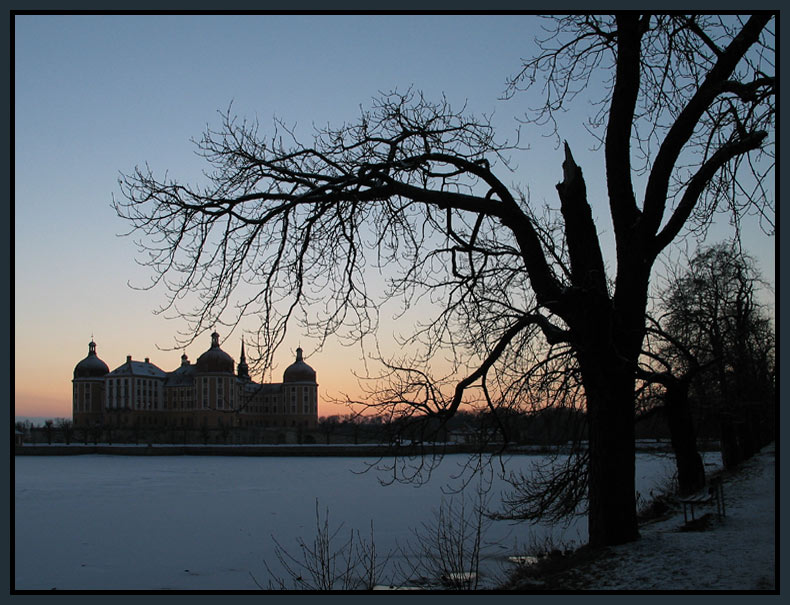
546 427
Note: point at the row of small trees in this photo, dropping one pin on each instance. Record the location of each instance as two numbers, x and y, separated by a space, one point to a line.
63 430
49 431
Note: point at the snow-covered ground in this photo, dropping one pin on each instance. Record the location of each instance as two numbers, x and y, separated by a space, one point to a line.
734 553
98 522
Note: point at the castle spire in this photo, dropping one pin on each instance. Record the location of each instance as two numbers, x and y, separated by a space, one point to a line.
242 370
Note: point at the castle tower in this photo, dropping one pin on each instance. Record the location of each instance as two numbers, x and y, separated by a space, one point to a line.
88 393
300 392
216 385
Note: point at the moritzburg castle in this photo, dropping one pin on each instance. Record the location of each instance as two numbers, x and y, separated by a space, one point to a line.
206 394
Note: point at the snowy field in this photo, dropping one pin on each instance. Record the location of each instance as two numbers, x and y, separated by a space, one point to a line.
96 522
735 553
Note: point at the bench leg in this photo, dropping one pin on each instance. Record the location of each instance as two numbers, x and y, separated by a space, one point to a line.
720 500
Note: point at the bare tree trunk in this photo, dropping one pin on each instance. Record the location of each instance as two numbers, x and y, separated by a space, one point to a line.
691 471
746 433
611 419
731 453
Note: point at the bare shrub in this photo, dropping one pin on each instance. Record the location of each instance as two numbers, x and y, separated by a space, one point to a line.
322 564
446 552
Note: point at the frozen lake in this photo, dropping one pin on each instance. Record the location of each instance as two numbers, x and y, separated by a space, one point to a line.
97 522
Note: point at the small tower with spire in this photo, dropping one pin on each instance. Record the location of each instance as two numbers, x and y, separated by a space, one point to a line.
242 370
88 390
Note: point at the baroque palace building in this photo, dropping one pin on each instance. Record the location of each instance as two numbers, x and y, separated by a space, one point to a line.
207 393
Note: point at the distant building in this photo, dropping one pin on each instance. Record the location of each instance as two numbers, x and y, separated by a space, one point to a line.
207 393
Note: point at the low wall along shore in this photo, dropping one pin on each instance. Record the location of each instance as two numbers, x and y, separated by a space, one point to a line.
367 450
240 450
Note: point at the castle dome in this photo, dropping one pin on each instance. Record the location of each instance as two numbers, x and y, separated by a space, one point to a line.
91 366
299 371
215 359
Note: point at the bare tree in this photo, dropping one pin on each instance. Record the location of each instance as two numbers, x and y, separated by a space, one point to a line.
675 382
137 430
715 344
289 231
84 430
49 430
66 427
328 425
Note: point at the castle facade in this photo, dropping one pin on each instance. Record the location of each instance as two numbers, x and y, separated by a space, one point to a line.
205 394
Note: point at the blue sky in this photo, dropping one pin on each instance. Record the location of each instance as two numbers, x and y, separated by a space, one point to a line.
97 95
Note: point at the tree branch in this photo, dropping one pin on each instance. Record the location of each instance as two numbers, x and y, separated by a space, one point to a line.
587 266
697 185
619 128
683 127
552 333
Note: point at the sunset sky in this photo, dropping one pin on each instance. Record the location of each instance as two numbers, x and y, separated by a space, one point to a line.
97 95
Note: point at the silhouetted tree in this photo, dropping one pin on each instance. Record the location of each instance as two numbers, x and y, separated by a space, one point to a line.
85 432
96 432
676 381
328 425
354 424
66 427
684 111
225 430
716 342
205 432
49 430
137 430
24 426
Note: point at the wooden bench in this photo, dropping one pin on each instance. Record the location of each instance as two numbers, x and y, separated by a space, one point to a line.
714 492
